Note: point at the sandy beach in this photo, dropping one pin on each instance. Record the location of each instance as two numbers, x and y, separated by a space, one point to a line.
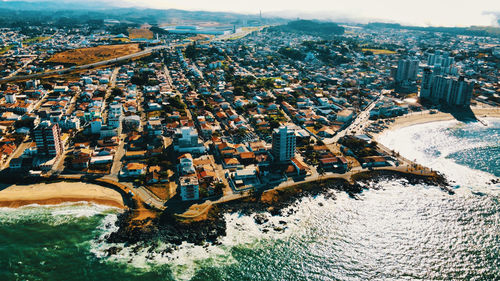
425 117
56 193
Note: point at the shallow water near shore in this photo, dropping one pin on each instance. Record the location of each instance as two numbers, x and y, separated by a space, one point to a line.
397 231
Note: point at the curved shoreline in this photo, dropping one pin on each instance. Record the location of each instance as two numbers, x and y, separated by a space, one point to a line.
59 201
419 118
173 230
58 193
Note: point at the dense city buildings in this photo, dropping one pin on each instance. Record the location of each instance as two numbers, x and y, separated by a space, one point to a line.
188 116
196 145
440 59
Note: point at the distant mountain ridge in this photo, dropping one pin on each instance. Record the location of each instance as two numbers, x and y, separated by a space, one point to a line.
54 5
51 10
47 11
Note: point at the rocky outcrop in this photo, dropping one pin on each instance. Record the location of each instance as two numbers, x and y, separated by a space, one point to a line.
170 229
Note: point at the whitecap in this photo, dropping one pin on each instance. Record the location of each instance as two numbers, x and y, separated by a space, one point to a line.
431 144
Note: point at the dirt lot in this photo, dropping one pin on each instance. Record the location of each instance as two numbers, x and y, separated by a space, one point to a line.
164 191
134 33
94 54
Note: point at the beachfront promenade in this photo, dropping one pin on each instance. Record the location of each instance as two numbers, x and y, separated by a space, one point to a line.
136 199
199 210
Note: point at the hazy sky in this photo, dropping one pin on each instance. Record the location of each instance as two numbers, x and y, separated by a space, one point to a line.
415 12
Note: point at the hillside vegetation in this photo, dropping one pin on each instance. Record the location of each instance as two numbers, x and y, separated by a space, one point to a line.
310 27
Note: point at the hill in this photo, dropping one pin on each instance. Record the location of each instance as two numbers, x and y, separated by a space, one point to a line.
310 27
469 31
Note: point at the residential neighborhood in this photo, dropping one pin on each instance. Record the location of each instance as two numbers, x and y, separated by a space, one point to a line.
200 118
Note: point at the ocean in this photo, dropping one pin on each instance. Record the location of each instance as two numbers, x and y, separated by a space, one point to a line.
395 231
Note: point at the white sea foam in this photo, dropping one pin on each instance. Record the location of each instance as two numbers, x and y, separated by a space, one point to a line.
187 258
431 144
428 144
53 214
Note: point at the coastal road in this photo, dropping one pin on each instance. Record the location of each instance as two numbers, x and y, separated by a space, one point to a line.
360 120
149 198
117 163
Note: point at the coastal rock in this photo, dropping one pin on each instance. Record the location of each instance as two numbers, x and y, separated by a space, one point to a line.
169 229
278 229
113 251
260 218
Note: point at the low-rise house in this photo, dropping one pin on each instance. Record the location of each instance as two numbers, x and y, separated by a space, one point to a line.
136 154
80 162
243 179
247 158
134 170
105 159
334 163
345 115
231 163
373 161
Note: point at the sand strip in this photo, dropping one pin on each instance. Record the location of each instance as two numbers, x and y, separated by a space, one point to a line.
56 193
425 117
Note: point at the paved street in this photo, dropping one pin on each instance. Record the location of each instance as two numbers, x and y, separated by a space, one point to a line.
360 120
117 163
149 198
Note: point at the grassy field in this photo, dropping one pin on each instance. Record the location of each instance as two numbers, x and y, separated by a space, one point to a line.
36 39
94 54
5 49
379 51
134 33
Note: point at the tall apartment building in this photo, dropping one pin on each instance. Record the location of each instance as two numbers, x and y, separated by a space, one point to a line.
284 141
189 187
459 92
440 59
48 139
11 98
448 90
407 70
426 86
115 115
